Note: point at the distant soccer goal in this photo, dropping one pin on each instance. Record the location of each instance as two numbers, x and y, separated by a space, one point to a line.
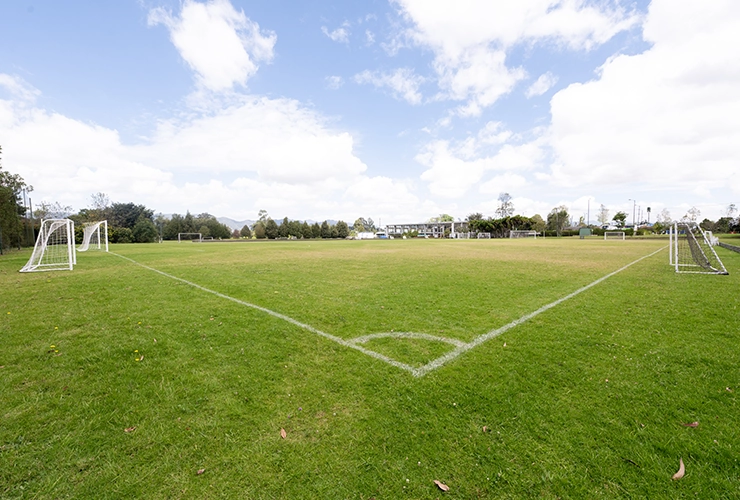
189 237
484 236
613 235
522 233
55 247
691 250
95 236
711 238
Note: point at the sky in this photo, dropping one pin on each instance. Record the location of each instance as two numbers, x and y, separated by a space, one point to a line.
395 110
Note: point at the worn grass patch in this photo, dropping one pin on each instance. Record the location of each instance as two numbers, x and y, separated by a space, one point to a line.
585 400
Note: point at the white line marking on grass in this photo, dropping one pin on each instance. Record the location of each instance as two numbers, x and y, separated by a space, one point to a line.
406 335
295 322
460 347
433 365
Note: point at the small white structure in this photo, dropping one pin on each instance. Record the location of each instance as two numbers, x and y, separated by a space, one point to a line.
365 235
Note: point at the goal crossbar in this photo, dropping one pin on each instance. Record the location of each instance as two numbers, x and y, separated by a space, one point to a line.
184 236
614 235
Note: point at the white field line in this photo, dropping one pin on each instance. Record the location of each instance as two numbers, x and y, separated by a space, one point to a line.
460 348
295 322
433 365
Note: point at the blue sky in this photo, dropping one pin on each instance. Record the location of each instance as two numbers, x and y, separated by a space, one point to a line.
396 110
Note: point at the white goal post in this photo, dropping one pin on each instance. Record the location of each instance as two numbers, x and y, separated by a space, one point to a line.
92 237
484 236
613 235
690 250
522 233
189 237
55 247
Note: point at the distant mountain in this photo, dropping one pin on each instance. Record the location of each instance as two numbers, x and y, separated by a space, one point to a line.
235 224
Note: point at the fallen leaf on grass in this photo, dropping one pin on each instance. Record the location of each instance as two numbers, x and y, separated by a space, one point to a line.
485 429
200 471
692 424
129 429
283 434
681 470
441 485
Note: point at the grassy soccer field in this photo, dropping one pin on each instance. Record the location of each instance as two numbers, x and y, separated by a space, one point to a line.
385 363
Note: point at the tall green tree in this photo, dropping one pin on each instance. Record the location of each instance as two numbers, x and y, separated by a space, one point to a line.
271 229
246 232
283 230
558 219
144 231
342 229
306 230
325 230
259 230
127 214
538 223
11 208
620 219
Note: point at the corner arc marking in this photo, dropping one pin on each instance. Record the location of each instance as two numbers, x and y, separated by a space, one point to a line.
460 347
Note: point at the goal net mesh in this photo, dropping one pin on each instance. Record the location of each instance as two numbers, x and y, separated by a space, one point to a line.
692 252
95 236
54 249
521 233
614 235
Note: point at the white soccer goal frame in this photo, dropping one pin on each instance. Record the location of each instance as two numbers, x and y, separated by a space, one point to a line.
55 247
92 238
484 236
180 235
523 233
614 235
708 261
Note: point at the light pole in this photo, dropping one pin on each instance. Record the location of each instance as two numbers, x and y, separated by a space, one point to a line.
634 205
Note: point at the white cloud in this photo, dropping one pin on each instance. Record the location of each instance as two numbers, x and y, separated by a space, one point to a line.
403 83
478 75
541 85
507 182
470 39
369 37
226 161
19 88
455 167
334 82
340 35
219 43
664 118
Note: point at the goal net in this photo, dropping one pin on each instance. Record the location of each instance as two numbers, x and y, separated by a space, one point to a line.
613 235
95 236
484 236
55 247
189 237
691 251
522 233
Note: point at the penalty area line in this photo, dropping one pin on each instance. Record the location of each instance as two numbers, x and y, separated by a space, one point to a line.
290 320
433 365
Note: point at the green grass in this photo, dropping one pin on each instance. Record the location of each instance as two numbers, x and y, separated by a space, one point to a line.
585 400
